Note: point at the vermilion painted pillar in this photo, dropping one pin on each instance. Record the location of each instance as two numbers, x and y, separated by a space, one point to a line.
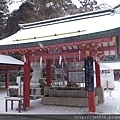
91 101
91 94
7 79
98 78
48 72
27 82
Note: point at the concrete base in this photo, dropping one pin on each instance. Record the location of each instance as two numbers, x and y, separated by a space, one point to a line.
60 101
100 92
67 93
71 101
82 102
69 97
67 101
48 100
46 90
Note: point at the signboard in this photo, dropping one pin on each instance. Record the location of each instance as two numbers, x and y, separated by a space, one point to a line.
89 74
77 76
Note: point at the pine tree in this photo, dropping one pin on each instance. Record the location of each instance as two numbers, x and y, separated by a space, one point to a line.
3 16
23 15
87 5
47 9
37 10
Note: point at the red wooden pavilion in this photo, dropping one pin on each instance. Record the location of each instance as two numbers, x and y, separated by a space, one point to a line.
94 34
9 65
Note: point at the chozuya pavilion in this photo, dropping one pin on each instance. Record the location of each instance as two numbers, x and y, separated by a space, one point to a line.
86 38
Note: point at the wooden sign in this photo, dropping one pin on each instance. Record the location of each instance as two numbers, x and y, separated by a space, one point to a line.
89 74
77 76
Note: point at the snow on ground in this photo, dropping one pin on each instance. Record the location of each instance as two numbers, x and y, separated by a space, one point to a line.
110 106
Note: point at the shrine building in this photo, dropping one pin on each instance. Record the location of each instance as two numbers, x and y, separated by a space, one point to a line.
86 37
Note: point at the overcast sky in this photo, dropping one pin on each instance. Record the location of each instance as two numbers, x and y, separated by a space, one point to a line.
109 2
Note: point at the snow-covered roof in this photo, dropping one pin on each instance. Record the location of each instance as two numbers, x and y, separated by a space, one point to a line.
5 59
104 66
113 65
74 26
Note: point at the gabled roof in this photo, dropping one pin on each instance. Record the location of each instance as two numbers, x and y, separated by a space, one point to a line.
66 19
104 66
8 60
113 65
94 24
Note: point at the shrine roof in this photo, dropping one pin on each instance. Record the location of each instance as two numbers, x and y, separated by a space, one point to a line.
8 60
74 28
114 65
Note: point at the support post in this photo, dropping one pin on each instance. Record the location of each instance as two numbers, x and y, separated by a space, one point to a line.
27 82
7 79
89 79
48 72
91 101
99 89
97 71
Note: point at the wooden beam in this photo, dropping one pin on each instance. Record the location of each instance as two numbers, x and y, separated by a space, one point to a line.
58 45
11 67
107 48
51 56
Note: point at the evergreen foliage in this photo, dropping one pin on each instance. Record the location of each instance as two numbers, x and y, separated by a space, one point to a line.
3 16
38 10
